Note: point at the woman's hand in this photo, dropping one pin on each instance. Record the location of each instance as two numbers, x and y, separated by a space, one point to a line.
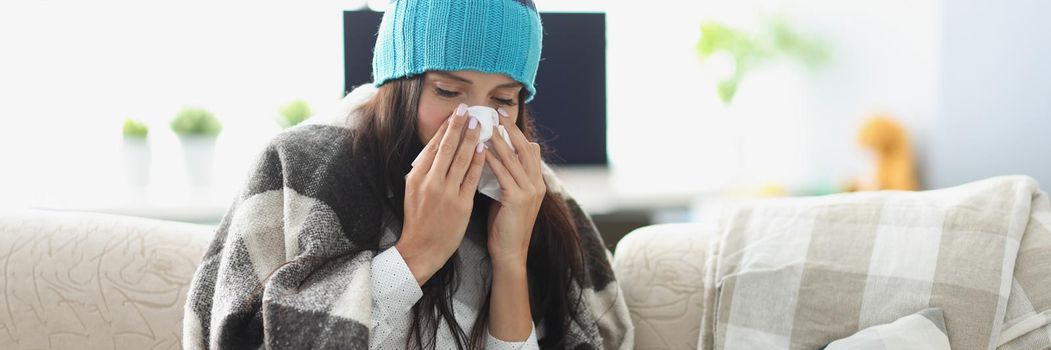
511 220
439 195
522 189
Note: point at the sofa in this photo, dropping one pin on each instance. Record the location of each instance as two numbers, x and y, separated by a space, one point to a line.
661 272
88 281
93 281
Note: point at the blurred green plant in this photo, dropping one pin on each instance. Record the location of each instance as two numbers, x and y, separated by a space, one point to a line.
135 129
294 113
773 40
197 122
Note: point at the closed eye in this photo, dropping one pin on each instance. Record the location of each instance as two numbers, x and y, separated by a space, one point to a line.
446 93
450 94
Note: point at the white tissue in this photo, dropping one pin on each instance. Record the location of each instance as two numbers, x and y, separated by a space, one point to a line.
487 118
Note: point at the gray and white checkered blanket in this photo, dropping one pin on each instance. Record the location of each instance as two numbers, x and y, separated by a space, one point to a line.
801 273
289 266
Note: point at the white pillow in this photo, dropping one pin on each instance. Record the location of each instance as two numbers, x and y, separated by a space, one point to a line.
924 330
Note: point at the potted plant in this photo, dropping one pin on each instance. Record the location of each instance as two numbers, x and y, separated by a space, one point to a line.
136 152
197 129
749 50
294 113
736 56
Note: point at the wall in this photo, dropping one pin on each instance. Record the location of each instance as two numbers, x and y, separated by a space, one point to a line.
996 92
785 126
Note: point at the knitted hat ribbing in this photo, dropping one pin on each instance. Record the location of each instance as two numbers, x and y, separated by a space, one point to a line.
492 36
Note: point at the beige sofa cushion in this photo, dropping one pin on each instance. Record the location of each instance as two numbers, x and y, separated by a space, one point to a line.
91 281
661 271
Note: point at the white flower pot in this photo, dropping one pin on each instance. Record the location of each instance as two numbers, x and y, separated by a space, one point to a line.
136 161
198 157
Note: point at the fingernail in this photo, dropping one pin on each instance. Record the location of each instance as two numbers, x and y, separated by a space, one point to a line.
478 149
502 112
472 124
461 110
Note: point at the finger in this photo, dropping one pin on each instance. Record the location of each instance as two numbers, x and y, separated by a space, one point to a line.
503 176
528 152
532 162
518 138
450 142
474 173
467 150
509 158
431 149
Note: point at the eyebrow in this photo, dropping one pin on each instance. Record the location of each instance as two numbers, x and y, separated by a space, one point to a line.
465 80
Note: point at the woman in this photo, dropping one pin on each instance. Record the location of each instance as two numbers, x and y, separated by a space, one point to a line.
339 242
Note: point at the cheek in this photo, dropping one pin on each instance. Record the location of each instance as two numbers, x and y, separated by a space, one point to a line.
431 117
513 111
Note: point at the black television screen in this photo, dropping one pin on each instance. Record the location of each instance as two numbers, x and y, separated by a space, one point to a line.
570 105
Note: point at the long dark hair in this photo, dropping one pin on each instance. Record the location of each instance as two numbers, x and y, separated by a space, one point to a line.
386 131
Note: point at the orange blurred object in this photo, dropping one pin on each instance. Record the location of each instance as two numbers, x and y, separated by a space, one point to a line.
895 158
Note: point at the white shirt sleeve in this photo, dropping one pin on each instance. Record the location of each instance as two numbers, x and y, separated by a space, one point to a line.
394 292
492 343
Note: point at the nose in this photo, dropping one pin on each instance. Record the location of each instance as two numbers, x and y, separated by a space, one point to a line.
481 101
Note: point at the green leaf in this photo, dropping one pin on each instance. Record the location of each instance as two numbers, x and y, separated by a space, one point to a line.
135 129
727 89
196 121
294 113
774 40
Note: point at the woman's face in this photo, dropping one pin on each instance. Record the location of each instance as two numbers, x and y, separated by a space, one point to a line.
443 91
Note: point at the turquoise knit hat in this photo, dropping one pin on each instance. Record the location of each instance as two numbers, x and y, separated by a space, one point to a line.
492 36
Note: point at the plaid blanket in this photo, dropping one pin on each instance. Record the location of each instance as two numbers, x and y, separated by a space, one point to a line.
801 273
308 223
